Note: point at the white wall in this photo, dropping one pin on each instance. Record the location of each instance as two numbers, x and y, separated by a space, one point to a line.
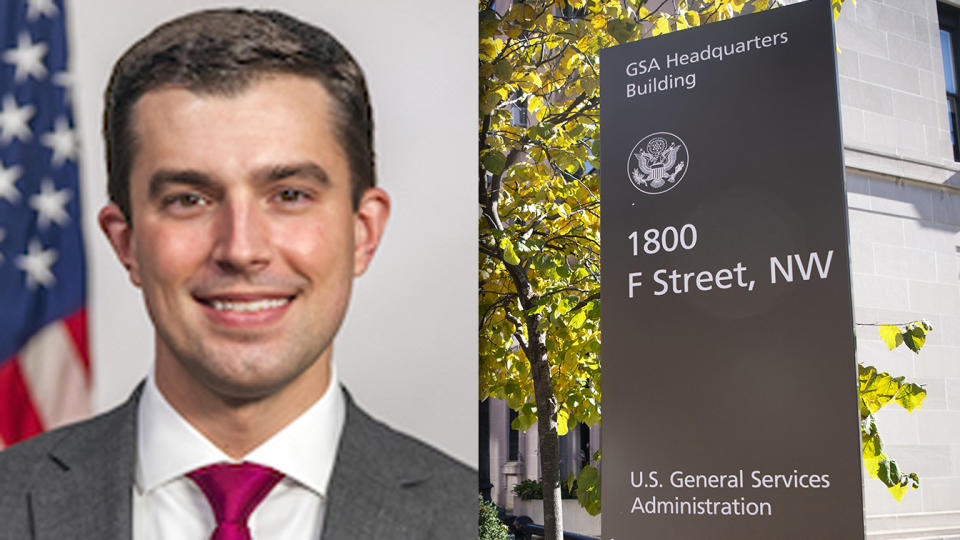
905 247
408 347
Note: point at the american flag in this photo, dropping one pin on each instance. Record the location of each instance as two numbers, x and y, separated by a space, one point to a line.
44 363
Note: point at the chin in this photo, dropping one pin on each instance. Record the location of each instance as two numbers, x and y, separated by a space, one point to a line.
249 375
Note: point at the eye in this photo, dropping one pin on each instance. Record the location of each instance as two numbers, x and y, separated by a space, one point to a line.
291 195
184 200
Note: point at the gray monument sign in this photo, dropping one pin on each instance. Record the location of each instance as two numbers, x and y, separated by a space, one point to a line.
729 380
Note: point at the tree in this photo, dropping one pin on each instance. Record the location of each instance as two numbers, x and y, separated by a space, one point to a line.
539 236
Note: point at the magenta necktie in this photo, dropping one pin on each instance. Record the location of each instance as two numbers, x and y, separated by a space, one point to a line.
234 490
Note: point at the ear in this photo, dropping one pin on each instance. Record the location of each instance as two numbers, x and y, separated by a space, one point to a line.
370 219
119 232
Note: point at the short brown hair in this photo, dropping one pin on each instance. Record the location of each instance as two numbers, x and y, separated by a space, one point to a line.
222 52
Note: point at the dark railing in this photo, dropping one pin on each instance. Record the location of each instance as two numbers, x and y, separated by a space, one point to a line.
524 528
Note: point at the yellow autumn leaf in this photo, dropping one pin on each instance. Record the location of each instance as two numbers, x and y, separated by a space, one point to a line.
662 26
562 416
509 255
911 396
891 335
570 359
872 455
898 491
598 22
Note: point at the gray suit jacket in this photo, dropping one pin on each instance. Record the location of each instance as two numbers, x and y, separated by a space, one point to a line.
76 482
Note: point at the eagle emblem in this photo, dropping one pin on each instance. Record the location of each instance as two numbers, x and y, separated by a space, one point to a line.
657 163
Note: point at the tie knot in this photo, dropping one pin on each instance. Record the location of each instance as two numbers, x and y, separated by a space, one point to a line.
234 490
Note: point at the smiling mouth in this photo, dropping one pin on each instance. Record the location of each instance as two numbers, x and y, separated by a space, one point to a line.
245 306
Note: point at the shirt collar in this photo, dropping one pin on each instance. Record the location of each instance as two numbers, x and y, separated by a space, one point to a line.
305 450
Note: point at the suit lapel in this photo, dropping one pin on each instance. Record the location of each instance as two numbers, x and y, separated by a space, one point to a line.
366 494
84 489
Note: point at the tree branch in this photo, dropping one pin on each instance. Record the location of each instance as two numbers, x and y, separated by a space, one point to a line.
517 334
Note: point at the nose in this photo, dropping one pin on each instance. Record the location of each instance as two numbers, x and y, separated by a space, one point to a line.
241 238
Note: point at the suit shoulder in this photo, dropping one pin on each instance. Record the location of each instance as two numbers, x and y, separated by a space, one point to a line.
427 481
414 453
22 461
17 462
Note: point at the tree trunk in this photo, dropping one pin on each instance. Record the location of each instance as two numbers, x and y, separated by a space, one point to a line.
549 442
535 349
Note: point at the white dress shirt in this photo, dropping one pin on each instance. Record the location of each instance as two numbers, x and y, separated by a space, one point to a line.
168 505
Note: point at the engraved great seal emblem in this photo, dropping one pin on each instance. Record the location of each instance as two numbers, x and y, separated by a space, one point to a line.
658 163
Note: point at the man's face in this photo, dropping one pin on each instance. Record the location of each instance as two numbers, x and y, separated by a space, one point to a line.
243 236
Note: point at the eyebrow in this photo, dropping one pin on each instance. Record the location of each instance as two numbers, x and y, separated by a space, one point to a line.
163 178
306 169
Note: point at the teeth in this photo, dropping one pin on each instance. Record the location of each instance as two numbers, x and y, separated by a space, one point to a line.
247 307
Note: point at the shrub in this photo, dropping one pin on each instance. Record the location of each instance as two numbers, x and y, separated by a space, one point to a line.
529 490
491 528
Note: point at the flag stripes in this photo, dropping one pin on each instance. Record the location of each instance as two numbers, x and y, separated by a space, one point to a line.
44 358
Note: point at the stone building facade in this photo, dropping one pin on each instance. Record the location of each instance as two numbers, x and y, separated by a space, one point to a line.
903 192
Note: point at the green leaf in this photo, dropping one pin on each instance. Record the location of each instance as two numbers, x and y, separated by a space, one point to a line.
493 161
891 335
883 472
489 102
503 70
489 20
915 337
588 489
509 255
536 309
514 392
894 471
526 417
542 131
589 84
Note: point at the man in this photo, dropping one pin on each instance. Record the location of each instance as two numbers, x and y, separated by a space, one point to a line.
239 156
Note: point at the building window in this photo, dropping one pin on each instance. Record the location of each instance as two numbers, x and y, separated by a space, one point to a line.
949 40
513 438
518 112
584 445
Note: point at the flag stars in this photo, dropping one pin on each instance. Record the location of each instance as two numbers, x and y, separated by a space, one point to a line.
8 181
36 263
49 204
62 140
64 80
14 120
36 8
28 58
